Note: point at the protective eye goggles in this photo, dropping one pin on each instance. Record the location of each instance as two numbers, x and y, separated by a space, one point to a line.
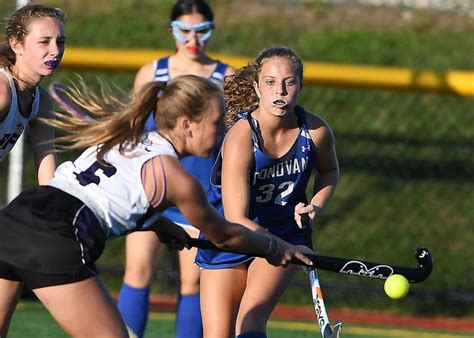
183 32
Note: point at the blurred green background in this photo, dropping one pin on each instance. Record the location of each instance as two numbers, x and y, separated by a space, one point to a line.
406 157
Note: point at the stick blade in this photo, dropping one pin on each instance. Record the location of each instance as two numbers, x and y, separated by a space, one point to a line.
336 331
59 93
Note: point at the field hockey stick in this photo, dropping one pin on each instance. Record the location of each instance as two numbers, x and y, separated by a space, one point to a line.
354 267
322 317
59 93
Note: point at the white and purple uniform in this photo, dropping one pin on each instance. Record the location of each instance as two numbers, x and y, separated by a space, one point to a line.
114 190
86 203
15 123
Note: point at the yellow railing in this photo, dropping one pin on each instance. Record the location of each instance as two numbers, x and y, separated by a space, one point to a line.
453 82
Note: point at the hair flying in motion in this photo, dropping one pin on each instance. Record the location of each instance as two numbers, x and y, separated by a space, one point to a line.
122 123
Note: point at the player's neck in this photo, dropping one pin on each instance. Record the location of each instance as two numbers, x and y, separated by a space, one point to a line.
25 82
175 143
192 64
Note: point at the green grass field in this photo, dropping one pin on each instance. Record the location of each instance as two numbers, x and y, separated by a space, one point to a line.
406 157
32 320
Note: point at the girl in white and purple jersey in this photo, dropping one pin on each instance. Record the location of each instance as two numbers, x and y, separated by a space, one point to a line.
121 183
33 48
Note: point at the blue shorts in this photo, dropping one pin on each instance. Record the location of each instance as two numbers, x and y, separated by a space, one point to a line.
214 259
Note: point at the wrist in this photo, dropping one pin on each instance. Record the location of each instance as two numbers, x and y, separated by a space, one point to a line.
316 208
272 247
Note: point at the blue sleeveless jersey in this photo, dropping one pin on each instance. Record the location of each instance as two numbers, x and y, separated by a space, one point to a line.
198 167
277 185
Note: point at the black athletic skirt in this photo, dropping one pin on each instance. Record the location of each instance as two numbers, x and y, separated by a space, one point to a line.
48 231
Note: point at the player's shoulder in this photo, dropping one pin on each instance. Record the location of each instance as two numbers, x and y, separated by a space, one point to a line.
229 70
240 130
4 83
147 68
319 129
144 75
5 93
176 175
238 137
315 121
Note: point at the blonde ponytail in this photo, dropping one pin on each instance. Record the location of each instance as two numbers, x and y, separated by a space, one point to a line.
115 123
112 122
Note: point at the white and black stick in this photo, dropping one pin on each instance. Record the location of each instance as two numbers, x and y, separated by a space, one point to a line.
322 317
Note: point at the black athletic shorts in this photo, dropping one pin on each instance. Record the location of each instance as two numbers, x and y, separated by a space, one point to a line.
48 237
36 280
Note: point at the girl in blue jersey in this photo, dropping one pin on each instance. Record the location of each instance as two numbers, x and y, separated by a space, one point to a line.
121 183
266 162
33 48
191 26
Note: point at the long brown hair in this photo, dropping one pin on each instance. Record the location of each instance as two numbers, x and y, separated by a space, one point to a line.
239 93
115 123
17 27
